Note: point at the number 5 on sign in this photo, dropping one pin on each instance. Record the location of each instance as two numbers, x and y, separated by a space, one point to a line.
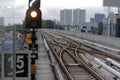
22 65
20 62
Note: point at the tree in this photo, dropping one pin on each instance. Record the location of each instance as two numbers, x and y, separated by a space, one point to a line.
51 24
100 28
48 24
57 26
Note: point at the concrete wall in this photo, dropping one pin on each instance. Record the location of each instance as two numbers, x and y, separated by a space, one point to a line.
109 41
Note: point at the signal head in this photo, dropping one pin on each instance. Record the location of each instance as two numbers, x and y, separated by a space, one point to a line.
33 14
33 18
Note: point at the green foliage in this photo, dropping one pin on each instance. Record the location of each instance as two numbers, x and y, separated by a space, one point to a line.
45 24
48 24
51 25
100 28
6 28
59 27
19 27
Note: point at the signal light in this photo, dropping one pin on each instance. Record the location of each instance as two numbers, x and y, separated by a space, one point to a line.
33 14
33 18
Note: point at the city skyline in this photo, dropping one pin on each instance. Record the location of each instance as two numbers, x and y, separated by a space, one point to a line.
14 11
72 16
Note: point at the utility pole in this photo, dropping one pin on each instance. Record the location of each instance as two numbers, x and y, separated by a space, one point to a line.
14 53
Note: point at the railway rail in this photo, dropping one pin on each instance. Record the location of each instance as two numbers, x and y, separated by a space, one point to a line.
114 59
70 57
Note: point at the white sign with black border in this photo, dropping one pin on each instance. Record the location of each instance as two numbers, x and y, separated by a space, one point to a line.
23 63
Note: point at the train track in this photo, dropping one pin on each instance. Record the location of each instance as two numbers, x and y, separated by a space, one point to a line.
70 57
95 51
114 61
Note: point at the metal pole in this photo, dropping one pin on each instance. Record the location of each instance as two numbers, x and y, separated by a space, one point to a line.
118 10
54 25
14 53
29 3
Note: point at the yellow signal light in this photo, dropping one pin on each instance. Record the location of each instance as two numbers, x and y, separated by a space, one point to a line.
33 14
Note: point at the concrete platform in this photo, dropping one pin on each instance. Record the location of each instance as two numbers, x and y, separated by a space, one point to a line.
44 70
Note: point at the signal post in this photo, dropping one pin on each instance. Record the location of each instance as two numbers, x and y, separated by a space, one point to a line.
33 22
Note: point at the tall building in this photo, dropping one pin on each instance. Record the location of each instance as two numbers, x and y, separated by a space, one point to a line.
66 17
72 17
98 18
1 21
78 16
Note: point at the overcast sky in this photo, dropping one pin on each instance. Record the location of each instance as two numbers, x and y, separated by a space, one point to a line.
14 10
71 3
